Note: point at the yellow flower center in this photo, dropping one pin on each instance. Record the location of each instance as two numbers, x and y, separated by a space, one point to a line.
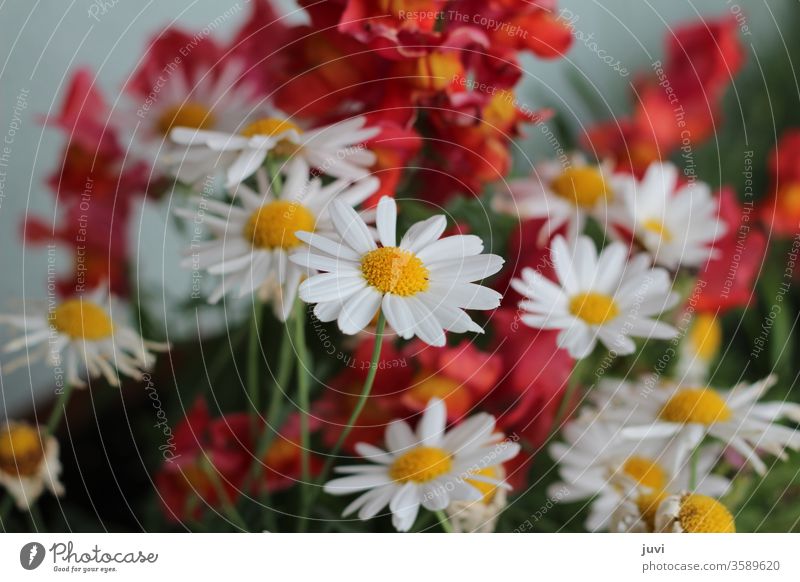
583 186
270 126
487 489
700 405
394 270
421 465
593 308
82 320
659 228
647 504
705 336
21 450
702 514
274 225
189 114
645 472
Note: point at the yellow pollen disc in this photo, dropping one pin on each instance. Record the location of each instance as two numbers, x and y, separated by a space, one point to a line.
659 228
190 114
82 320
647 504
700 405
645 472
593 308
583 186
705 336
702 514
21 450
394 270
270 126
421 465
487 489
274 225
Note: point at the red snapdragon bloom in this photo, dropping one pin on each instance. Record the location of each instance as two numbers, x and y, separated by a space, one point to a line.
780 211
728 279
334 407
226 445
462 376
678 103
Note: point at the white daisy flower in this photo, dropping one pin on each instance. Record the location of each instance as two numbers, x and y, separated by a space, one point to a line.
596 462
560 194
422 285
218 101
82 334
252 241
735 418
693 513
29 463
430 468
605 297
335 150
677 227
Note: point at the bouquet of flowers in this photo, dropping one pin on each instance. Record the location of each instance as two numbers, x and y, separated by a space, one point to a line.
390 324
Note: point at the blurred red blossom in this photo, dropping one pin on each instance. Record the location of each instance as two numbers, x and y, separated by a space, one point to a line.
780 210
728 279
225 446
678 102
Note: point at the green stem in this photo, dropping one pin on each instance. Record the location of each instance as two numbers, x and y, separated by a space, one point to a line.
227 505
445 523
274 416
693 468
253 359
572 385
362 399
275 179
58 409
304 403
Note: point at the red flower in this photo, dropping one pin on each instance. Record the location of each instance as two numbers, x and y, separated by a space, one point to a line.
461 375
334 407
536 372
728 279
703 57
679 105
523 251
394 147
183 482
780 211
225 445
395 28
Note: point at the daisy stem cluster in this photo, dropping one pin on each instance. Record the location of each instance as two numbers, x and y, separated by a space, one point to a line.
253 358
362 398
230 510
